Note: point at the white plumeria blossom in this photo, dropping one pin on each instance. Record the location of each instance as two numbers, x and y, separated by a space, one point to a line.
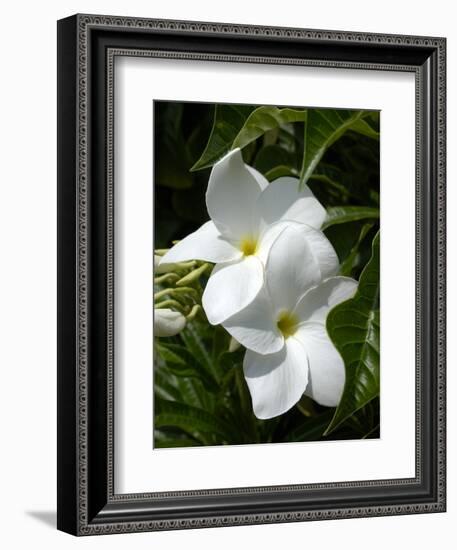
245 210
168 322
288 349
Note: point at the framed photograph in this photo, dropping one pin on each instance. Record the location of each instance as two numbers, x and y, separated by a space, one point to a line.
251 274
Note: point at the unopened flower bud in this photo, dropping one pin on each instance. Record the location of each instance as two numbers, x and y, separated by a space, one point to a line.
168 322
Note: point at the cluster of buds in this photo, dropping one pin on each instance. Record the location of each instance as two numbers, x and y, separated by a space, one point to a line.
178 292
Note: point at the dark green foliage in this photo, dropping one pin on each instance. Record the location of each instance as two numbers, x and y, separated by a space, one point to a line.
193 407
354 328
201 397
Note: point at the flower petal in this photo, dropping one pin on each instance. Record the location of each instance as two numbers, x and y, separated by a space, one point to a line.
317 302
323 251
231 197
282 200
205 244
254 326
260 178
326 367
168 322
231 288
276 381
291 268
268 237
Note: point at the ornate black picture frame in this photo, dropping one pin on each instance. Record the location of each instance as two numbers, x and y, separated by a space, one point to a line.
87 46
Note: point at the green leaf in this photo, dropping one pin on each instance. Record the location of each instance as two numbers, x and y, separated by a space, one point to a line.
221 341
373 433
348 264
345 214
182 363
163 385
178 388
311 429
274 162
191 392
264 119
271 156
323 127
362 127
239 125
172 353
279 172
190 419
343 238
194 343
174 442
353 327
228 121
168 443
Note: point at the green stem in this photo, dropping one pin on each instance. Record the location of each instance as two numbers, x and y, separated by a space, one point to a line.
174 292
192 276
194 311
170 304
168 277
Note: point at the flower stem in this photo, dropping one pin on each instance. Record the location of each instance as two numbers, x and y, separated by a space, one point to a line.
192 276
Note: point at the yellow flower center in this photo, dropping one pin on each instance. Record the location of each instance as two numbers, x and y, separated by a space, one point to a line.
287 323
248 246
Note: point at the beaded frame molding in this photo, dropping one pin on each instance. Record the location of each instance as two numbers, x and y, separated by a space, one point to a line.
87 47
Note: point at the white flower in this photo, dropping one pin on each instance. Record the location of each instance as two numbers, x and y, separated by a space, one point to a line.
244 211
168 322
289 352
